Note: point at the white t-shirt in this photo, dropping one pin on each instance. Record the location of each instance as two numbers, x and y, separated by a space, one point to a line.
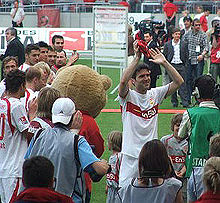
24 67
19 14
2 87
13 144
29 95
198 16
139 117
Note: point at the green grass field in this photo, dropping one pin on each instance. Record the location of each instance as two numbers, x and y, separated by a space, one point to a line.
112 121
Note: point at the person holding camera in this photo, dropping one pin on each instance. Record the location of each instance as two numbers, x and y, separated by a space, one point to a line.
215 50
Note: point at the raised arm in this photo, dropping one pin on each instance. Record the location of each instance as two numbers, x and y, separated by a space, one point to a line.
123 86
177 79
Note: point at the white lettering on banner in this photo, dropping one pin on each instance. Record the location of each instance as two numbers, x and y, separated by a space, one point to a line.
82 37
198 162
218 54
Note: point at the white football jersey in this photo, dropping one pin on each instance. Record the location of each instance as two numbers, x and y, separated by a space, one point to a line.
13 145
139 117
24 67
29 95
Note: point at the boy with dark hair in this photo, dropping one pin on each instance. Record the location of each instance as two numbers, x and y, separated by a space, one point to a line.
38 179
176 147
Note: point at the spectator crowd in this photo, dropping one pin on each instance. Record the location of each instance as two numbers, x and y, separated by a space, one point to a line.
44 155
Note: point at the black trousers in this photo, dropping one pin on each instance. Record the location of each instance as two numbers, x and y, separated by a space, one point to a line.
14 24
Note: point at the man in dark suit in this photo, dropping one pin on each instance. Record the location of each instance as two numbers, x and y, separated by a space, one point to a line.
14 47
175 52
154 68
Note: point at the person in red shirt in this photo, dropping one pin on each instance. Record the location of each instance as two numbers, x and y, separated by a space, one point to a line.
170 10
38 179
124 3
203 20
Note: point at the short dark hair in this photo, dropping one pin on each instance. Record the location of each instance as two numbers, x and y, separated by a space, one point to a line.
176 29
12 30
42 44
38 172
50 48
195 20
148 32
187 18
59 51
13 80
56 37
176 119
139 68
206 86
8 59
31 47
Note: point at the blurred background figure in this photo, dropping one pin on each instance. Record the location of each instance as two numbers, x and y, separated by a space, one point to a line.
17 15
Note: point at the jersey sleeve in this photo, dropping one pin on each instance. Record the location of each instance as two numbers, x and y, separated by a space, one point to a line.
86 155
19 117
161 92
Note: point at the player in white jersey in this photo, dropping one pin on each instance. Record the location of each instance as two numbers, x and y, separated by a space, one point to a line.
140 108
14 135
32 53
35 81
8 64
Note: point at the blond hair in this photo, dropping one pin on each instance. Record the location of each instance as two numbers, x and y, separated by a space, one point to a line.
43 66
115 140
211 176
45 99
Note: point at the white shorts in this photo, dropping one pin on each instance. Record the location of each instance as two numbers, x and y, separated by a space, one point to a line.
8 188
128 170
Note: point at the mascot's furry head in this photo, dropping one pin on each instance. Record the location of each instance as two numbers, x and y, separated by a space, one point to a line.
84 86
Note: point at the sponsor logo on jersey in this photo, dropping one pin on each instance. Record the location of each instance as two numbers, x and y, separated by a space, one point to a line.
152 101
146 114
23 120
178 159
2 145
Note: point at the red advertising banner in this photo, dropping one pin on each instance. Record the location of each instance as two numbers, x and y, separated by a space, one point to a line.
46 1
48 17
73 39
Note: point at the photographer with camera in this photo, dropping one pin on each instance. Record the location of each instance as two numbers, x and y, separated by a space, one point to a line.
215 50
156 28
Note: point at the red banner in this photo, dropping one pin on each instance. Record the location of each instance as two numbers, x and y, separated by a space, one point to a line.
48 18
73 39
